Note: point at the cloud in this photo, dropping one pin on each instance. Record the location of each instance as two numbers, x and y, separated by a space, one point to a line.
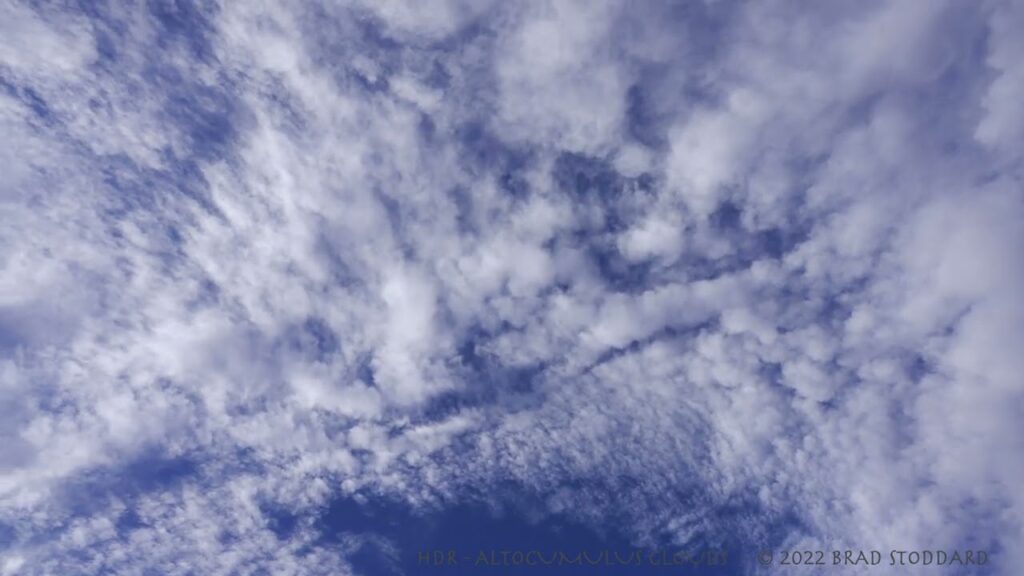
1000 127
715 273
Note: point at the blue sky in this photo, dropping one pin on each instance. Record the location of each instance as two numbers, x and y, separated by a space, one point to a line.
302 288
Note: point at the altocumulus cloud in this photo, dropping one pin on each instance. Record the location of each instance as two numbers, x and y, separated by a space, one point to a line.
712 272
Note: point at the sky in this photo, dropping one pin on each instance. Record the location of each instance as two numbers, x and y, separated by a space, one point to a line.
300 288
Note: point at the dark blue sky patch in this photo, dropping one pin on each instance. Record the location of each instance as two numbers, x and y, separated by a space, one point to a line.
210 118
205 117
487 539
482 152
707 26
110 31
752 245
472 357
8 87
668 333
134 185
427 129
464 217
773 243
36 103
619 273
313 339
746 246
665 88
586 177
154 470
364 372
917 367
178 24
513 184
29 98
281 521
796 305
513 388
436 76
106 46
285 112
14 330
157 193
332 249
351 48
726 217
92 492
606 202
485 381
185 22
641 122
8 535
397 216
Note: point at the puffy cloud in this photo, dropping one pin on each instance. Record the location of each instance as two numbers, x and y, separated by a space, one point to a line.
717 273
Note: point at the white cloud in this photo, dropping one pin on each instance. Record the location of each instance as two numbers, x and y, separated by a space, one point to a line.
60 43
559 85
841 348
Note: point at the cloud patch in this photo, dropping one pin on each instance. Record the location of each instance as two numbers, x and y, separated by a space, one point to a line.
721 274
